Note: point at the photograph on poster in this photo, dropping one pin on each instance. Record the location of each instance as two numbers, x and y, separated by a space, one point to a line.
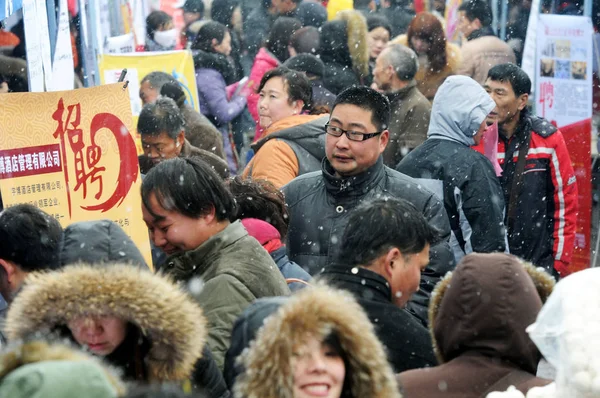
563 49
548 49
578 70
562 69
547 67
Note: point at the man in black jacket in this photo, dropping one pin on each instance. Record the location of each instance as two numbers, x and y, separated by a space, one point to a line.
463 178
353 172
384 249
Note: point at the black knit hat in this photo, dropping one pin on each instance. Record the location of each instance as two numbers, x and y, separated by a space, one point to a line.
307 63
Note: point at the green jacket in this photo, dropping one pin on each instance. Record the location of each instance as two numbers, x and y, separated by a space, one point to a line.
236 270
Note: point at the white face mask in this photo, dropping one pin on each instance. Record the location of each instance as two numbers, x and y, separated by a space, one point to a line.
166 38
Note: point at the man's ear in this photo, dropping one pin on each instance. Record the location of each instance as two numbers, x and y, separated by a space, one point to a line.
523 98
10 269
180 138
390 262
383 140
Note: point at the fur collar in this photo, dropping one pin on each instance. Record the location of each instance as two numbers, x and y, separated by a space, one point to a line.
316 311
168 317
357 33
25 353
543 283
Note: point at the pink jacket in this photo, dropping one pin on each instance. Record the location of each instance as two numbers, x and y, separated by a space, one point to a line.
264 62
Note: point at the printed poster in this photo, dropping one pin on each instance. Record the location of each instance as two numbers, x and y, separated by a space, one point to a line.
73 155
179 64
563 95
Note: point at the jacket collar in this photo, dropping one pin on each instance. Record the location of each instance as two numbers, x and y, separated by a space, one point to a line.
196 262
352 186
362 282
476 34
403 92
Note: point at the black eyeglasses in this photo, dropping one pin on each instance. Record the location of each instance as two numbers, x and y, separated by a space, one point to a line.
352 135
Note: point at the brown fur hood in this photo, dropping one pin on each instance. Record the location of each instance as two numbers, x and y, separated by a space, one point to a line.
22 354
316 311
485 305
357 32
167 316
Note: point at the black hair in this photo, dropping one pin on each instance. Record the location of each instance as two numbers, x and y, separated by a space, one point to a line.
162 116
188 186
368 99
222 11
333 341
305 40
297 84
376 227
155 20
158 79
174 91
30 238
518 79
379 21
477 9
260 199
208 31
279 37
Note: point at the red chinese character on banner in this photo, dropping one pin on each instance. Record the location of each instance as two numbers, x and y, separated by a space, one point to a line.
546 96
86 167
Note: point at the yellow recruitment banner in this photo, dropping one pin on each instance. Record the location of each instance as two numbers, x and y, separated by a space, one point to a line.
73 155
179 64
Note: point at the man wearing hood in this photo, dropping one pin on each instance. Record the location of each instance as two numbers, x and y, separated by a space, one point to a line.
351 173
463 178
482 49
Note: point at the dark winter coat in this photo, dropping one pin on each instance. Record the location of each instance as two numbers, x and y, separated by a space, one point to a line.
256 30
346 61
320 204
409 122
96 242
169 327
213 74
322 99
289 269
236 270
478 316
244 331
201 133
407 341
463 178
189 151
316 313
399 18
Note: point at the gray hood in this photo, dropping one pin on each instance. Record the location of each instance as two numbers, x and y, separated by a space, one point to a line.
94 242
459 107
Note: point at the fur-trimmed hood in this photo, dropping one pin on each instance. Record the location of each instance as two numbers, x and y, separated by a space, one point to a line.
21 354
344 41
485 305
316 311
169 318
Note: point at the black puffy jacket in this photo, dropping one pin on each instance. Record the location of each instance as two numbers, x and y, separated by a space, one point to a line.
320 205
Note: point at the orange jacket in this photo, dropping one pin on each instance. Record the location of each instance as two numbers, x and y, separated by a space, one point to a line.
276 161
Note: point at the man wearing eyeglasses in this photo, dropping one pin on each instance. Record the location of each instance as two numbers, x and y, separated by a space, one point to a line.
463 178
319 203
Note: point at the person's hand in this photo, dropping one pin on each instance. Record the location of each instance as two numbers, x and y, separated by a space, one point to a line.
3 88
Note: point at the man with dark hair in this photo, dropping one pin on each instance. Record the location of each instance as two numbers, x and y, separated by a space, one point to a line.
366 7
464 179
482 49
384 249
314 68
30 241
310 13
539 184
188 209
352 172
151 84
257 28
162 128
394 75
399 13
193 11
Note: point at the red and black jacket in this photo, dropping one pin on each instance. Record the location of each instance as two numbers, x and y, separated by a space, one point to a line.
543 231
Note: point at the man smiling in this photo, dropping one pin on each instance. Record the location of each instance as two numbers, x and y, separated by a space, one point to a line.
353 172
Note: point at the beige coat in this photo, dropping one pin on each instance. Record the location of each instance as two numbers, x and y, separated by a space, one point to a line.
481 54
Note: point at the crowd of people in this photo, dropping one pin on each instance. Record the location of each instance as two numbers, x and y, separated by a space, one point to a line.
360 208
